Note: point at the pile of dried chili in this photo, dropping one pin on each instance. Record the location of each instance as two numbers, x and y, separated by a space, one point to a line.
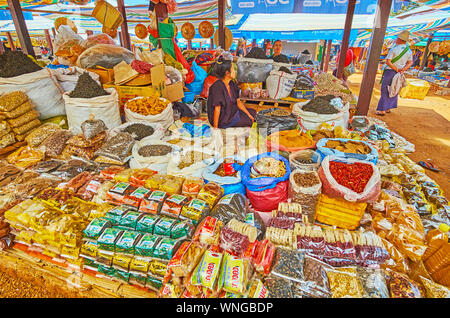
354 176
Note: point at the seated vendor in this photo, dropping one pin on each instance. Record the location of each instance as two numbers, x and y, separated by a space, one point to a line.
277 56
225 109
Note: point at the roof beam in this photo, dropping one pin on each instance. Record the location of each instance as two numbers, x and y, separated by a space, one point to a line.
21 27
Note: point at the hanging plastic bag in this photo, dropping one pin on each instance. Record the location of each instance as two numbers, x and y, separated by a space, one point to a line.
104 55
253 70
280 84
195 87
207 84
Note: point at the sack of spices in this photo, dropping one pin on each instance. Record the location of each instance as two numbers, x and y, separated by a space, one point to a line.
227 173
151 151
351 179
270 120
140 130
304 188
306 159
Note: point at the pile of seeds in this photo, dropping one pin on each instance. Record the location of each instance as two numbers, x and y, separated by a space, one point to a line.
154 150
321 105
307 179
87 87
15 63
139 131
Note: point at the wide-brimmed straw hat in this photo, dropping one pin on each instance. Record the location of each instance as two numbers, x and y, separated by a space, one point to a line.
404 35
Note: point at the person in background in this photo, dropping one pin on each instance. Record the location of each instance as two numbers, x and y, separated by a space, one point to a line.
416 58
240 48
398 60
349 58
224 107
432 65
277 56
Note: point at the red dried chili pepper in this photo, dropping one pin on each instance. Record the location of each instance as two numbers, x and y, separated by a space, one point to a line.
354 176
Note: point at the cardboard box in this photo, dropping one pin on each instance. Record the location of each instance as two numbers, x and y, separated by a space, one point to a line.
106 75
303 94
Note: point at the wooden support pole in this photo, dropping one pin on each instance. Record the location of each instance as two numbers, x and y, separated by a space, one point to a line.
346 37
21 27
189 44
119 34
10 41
327 58
53 32
124 26
425 54
254 43
322 56
221 14
2 47
49 40
211 44
375 47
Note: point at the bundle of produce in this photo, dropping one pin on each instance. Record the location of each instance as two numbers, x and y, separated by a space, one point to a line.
339 212
327 84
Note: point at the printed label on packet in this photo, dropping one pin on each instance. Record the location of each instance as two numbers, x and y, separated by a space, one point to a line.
232 276
197 204
250 219
176 259
176 198
207 271
226 199
140 192
157 195
120 187
261 291
93 186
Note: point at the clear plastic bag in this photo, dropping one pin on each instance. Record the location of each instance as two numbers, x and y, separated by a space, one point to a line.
104 55
231 206
373 282
400 286
288 264
55 144
253 70
344 282
95 39
315 278
307 160
233 242
38 135
117 147
92 127
278 287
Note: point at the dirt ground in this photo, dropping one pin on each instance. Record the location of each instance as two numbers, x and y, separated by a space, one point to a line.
425 123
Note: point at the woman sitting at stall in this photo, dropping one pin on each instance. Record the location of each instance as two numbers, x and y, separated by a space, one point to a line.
225 109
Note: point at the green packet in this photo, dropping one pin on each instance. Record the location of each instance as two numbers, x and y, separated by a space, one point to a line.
147 223
146 245
115 214
154 283
183 229
126 242
108 238
164 226
129 220
165 248
106 270
96 227
121 275
138 279
90 263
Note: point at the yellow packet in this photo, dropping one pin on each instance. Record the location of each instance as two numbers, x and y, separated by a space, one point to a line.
207 271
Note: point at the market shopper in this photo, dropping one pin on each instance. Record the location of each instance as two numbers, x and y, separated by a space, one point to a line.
398 60
349 59
225 109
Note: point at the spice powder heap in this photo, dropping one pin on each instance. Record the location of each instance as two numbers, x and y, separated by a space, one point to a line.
15 63
87 88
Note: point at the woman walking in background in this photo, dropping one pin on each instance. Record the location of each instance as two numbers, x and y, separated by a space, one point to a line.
398 60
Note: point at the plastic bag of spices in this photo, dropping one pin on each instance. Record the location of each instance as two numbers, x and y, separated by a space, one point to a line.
288 264
400 286
278 287
118 147
92 127
305 188
373 282
55 143
344 282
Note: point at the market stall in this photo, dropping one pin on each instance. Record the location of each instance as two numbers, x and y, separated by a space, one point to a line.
115 180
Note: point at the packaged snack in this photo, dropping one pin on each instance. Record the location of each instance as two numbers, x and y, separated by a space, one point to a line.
166 291
315 278
344 282
244 228
92 127
115 215
288 264
78 181
25 157
90 188
47 166
129 220
56 142
89 250
139 177
24 129
185 259
89 264
38 135
20 110
12 100
146 223
105 257
106 270
208 231
122 261
211 193
127 241
121 275
107 240
173 205
207 271
172 184
278 287
400 286
96 228
233 242
263 256
23 119
73 167
157 268
164 226
118 192
110 172
281 237
434 290
146 245
191 187
153 203
182 229
117 147
230 206
155 181
195 210
165 248
257 289
124 175
234 274
7 140
137 278
135 198
373 282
